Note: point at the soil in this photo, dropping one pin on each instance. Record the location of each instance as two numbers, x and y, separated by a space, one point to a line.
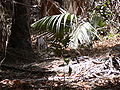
34 75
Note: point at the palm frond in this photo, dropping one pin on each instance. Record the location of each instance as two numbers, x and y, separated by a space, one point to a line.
82 35
55 22
51 21
59 22
65 26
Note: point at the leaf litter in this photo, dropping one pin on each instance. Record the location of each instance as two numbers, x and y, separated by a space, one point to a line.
95 70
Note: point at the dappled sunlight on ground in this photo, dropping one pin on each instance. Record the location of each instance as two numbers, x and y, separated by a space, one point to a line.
94 68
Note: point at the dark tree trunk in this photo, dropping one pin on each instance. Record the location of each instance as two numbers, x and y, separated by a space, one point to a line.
2 32
19 46
1 29
20 36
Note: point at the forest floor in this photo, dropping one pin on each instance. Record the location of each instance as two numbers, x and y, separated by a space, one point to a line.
92 70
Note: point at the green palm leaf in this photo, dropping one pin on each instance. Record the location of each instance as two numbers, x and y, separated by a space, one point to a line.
65 26
59 22
50 21
55 22
65 18
82 34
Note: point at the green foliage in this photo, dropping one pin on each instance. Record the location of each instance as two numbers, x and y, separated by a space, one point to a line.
103 9
56 23
110 35
66 29
97 21
100 16
59 25
83 34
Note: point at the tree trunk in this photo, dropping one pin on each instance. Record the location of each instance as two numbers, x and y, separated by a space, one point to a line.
78 7
19 46
2 32
20 36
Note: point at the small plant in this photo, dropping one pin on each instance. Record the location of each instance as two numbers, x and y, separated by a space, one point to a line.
66 30
101 15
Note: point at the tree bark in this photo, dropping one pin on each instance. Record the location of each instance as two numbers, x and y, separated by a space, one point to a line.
20 36
19 49
2 32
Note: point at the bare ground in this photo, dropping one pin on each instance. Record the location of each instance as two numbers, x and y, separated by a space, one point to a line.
39 75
